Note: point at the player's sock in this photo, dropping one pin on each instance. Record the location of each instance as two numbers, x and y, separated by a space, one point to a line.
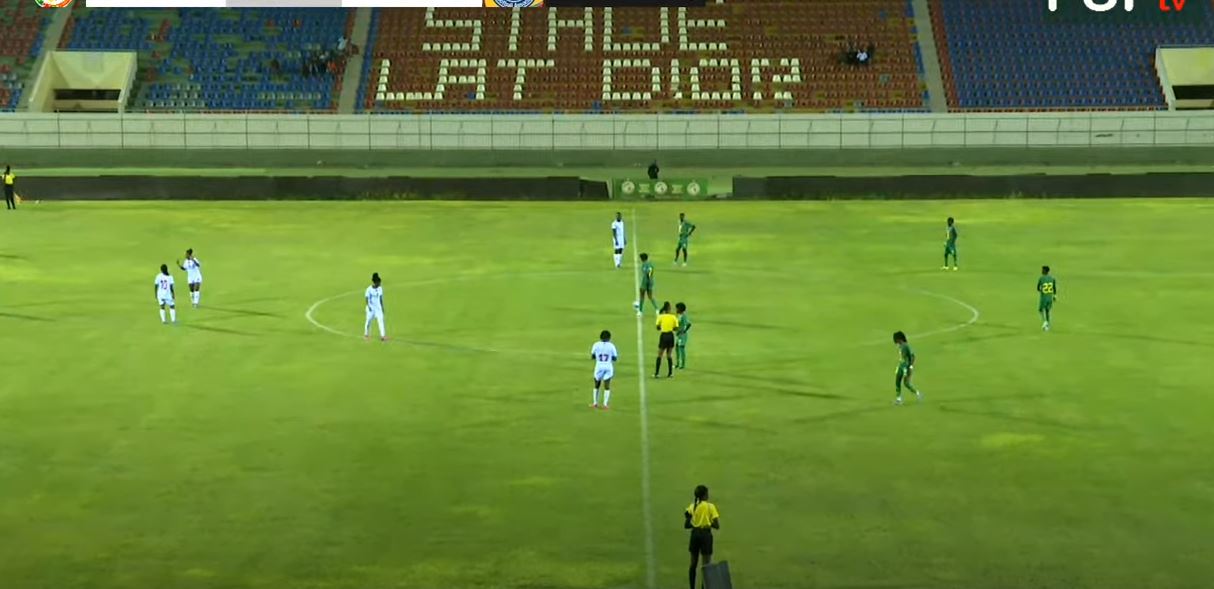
367 329
382 332
594 397
910 387
681 353
657 367
617 257
691 577
162 315
669 366
173 315
606 397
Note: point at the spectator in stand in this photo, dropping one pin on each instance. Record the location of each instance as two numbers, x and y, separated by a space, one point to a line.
342 43
653 171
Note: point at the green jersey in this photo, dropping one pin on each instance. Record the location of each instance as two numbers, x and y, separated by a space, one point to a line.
647 275
684 327
1047 287
951 236
906 357
685 229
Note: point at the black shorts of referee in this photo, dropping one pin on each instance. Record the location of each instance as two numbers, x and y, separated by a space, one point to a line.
701 541
666 341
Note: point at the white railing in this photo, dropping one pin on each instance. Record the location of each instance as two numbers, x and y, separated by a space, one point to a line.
605 132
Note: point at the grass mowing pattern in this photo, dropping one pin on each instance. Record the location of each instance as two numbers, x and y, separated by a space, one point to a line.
248 448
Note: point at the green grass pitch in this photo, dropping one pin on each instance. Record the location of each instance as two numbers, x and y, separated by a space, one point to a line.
250 448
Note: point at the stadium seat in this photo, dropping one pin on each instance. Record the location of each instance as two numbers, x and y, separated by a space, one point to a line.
1013 54
564 72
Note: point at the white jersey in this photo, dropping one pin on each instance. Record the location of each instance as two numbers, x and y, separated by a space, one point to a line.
605 355
193 270
164 287
375 300
617 234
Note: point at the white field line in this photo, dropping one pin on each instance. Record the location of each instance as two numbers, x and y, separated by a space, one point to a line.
651 581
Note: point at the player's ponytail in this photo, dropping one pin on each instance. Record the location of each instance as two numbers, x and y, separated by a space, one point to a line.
375 277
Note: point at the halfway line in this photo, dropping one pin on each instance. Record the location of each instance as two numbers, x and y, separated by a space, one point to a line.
651 581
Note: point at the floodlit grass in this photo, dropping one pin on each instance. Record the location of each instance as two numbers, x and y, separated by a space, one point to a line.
249 447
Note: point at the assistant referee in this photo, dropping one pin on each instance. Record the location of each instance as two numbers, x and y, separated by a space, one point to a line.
667 323
701 518
10 201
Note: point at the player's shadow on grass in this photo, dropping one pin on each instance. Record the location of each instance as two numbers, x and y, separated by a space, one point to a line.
983 331
778 386
244 312
1040 421
222 330
1138 337
23 317
748 325
857 411
11 257
714 424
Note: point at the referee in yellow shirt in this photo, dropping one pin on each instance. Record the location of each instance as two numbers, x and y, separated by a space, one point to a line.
701 518
10 200
668 322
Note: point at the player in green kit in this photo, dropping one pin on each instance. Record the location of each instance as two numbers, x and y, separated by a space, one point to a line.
680 336
950 244
686 228
646 283
906 367
1048 289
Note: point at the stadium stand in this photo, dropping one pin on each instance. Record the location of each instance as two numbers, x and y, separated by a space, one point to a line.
24 28
212 60
1013 54
746 55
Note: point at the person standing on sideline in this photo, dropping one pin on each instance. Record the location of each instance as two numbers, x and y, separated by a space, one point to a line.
618 240
10 197
604 354
701 518
375 308
950 244
193 276
668 322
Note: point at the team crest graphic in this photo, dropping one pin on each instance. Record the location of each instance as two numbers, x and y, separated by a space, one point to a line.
53 3
513 3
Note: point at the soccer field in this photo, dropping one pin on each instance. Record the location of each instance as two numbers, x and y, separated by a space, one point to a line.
262 443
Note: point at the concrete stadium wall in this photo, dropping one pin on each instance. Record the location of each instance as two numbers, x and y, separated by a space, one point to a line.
309 188
606 132
962 186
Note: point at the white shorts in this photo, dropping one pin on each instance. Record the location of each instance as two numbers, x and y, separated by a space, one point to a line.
604 373
194 279
165 300
374 314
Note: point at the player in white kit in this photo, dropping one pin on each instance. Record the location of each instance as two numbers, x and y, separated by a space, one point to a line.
375 308
193 276
618 240
604 354
165 293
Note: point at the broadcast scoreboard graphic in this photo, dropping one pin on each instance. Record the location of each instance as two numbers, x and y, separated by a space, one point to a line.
369 3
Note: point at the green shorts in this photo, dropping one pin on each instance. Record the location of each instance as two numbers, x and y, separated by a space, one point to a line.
904 371
682 243
647 286
680 341
1045 304
950 249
